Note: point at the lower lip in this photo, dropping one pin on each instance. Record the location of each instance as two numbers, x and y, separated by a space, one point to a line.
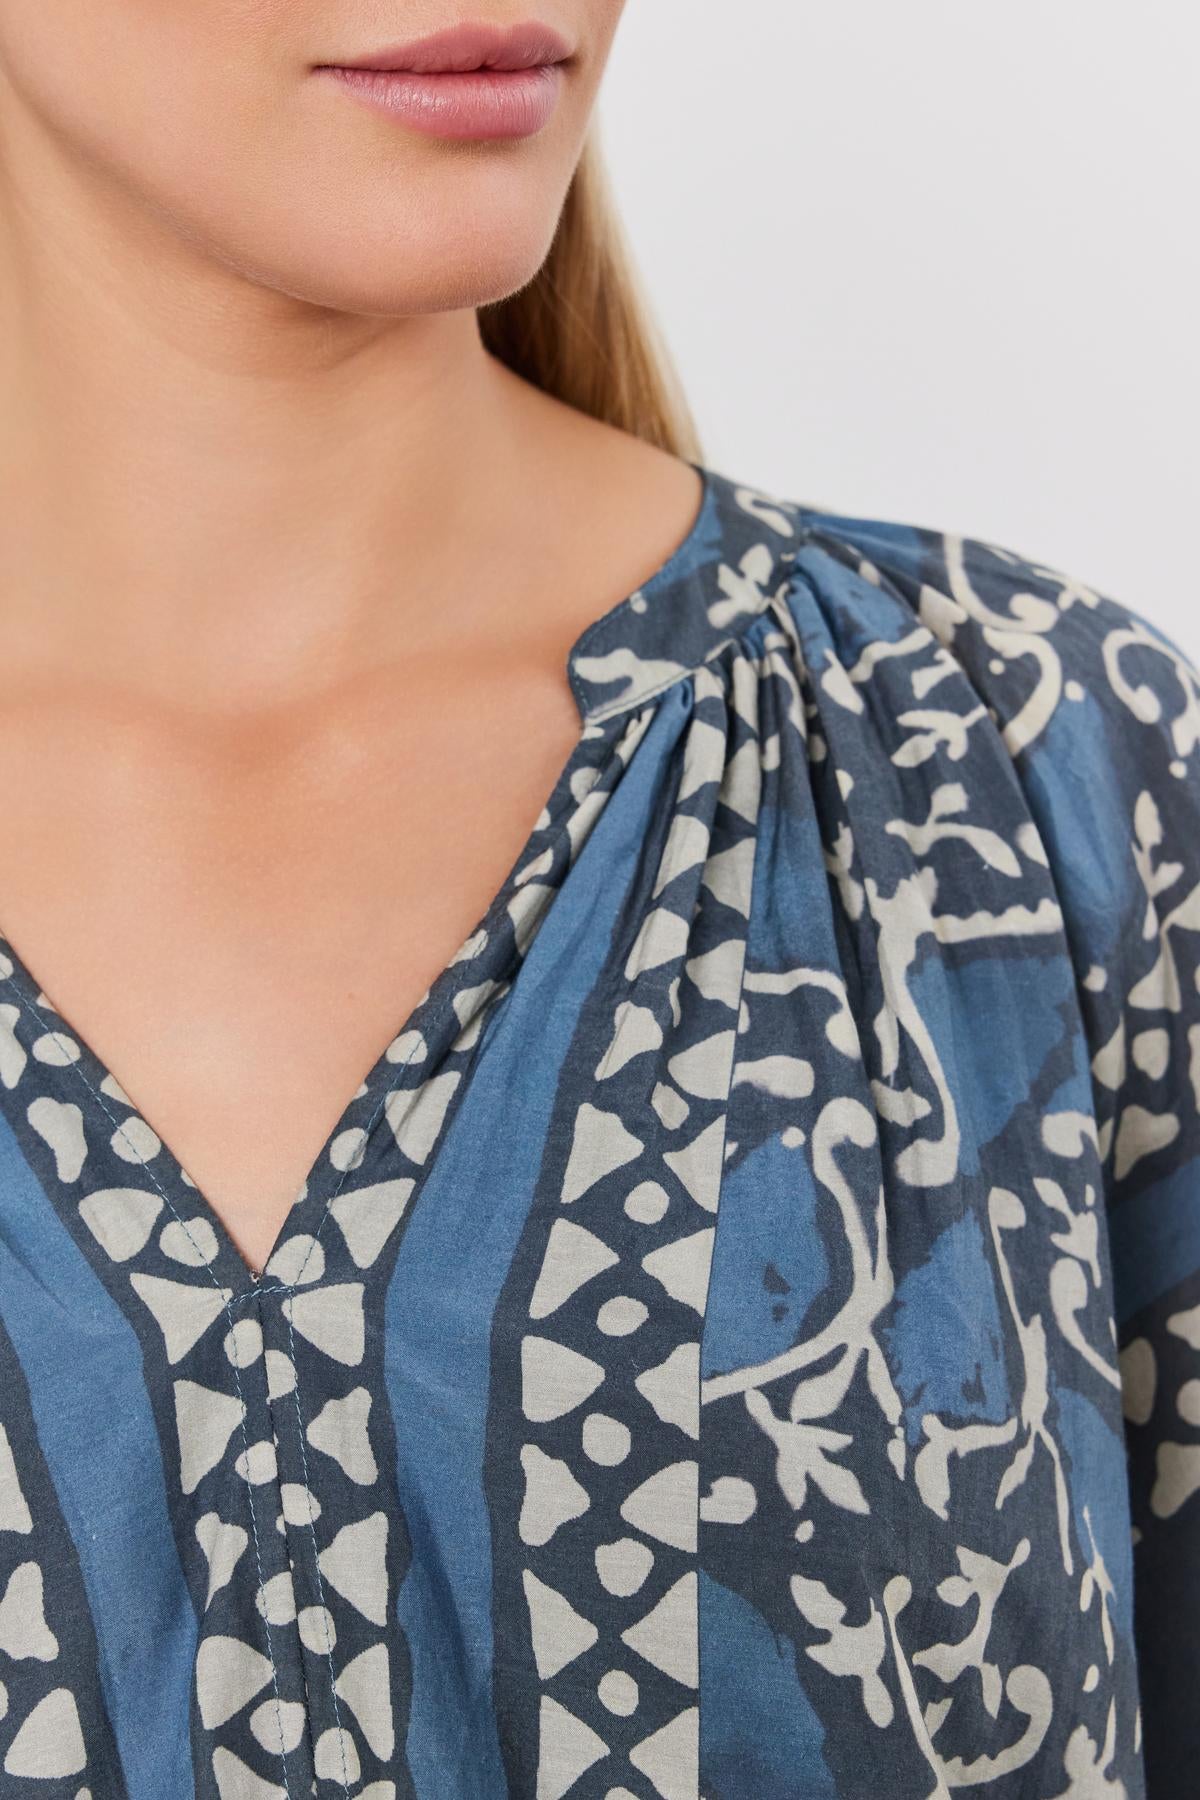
475 103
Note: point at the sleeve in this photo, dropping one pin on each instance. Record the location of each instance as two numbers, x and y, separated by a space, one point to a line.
1101 713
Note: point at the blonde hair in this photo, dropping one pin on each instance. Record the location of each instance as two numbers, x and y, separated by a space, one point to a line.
582 328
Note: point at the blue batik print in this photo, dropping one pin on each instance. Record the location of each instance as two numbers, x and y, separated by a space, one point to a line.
741 1341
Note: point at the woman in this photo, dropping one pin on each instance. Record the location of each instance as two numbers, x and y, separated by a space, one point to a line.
689 1361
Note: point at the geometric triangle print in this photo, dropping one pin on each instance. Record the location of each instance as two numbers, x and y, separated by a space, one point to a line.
183 1310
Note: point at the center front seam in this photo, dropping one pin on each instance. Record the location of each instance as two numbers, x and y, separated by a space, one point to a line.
287 1545
316 1569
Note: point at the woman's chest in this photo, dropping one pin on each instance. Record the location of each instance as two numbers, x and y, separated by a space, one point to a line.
240 922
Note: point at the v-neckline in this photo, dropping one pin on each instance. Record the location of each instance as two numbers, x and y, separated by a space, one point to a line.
429 1027
431 1024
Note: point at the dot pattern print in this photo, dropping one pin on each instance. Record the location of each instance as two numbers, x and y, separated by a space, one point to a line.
741 1339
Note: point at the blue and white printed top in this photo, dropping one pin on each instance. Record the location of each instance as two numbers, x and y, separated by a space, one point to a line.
742 1338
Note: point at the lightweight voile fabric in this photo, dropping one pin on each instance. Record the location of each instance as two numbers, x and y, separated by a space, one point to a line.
742 1338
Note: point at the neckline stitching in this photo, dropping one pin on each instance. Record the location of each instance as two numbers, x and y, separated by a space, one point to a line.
609 709
59 1032
667 572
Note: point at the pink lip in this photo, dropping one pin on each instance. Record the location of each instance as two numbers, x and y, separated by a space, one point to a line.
469 80
468 46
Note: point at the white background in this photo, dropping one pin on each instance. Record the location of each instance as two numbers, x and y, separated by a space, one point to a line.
934 261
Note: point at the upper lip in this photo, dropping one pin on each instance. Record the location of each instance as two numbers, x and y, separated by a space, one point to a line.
469 46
